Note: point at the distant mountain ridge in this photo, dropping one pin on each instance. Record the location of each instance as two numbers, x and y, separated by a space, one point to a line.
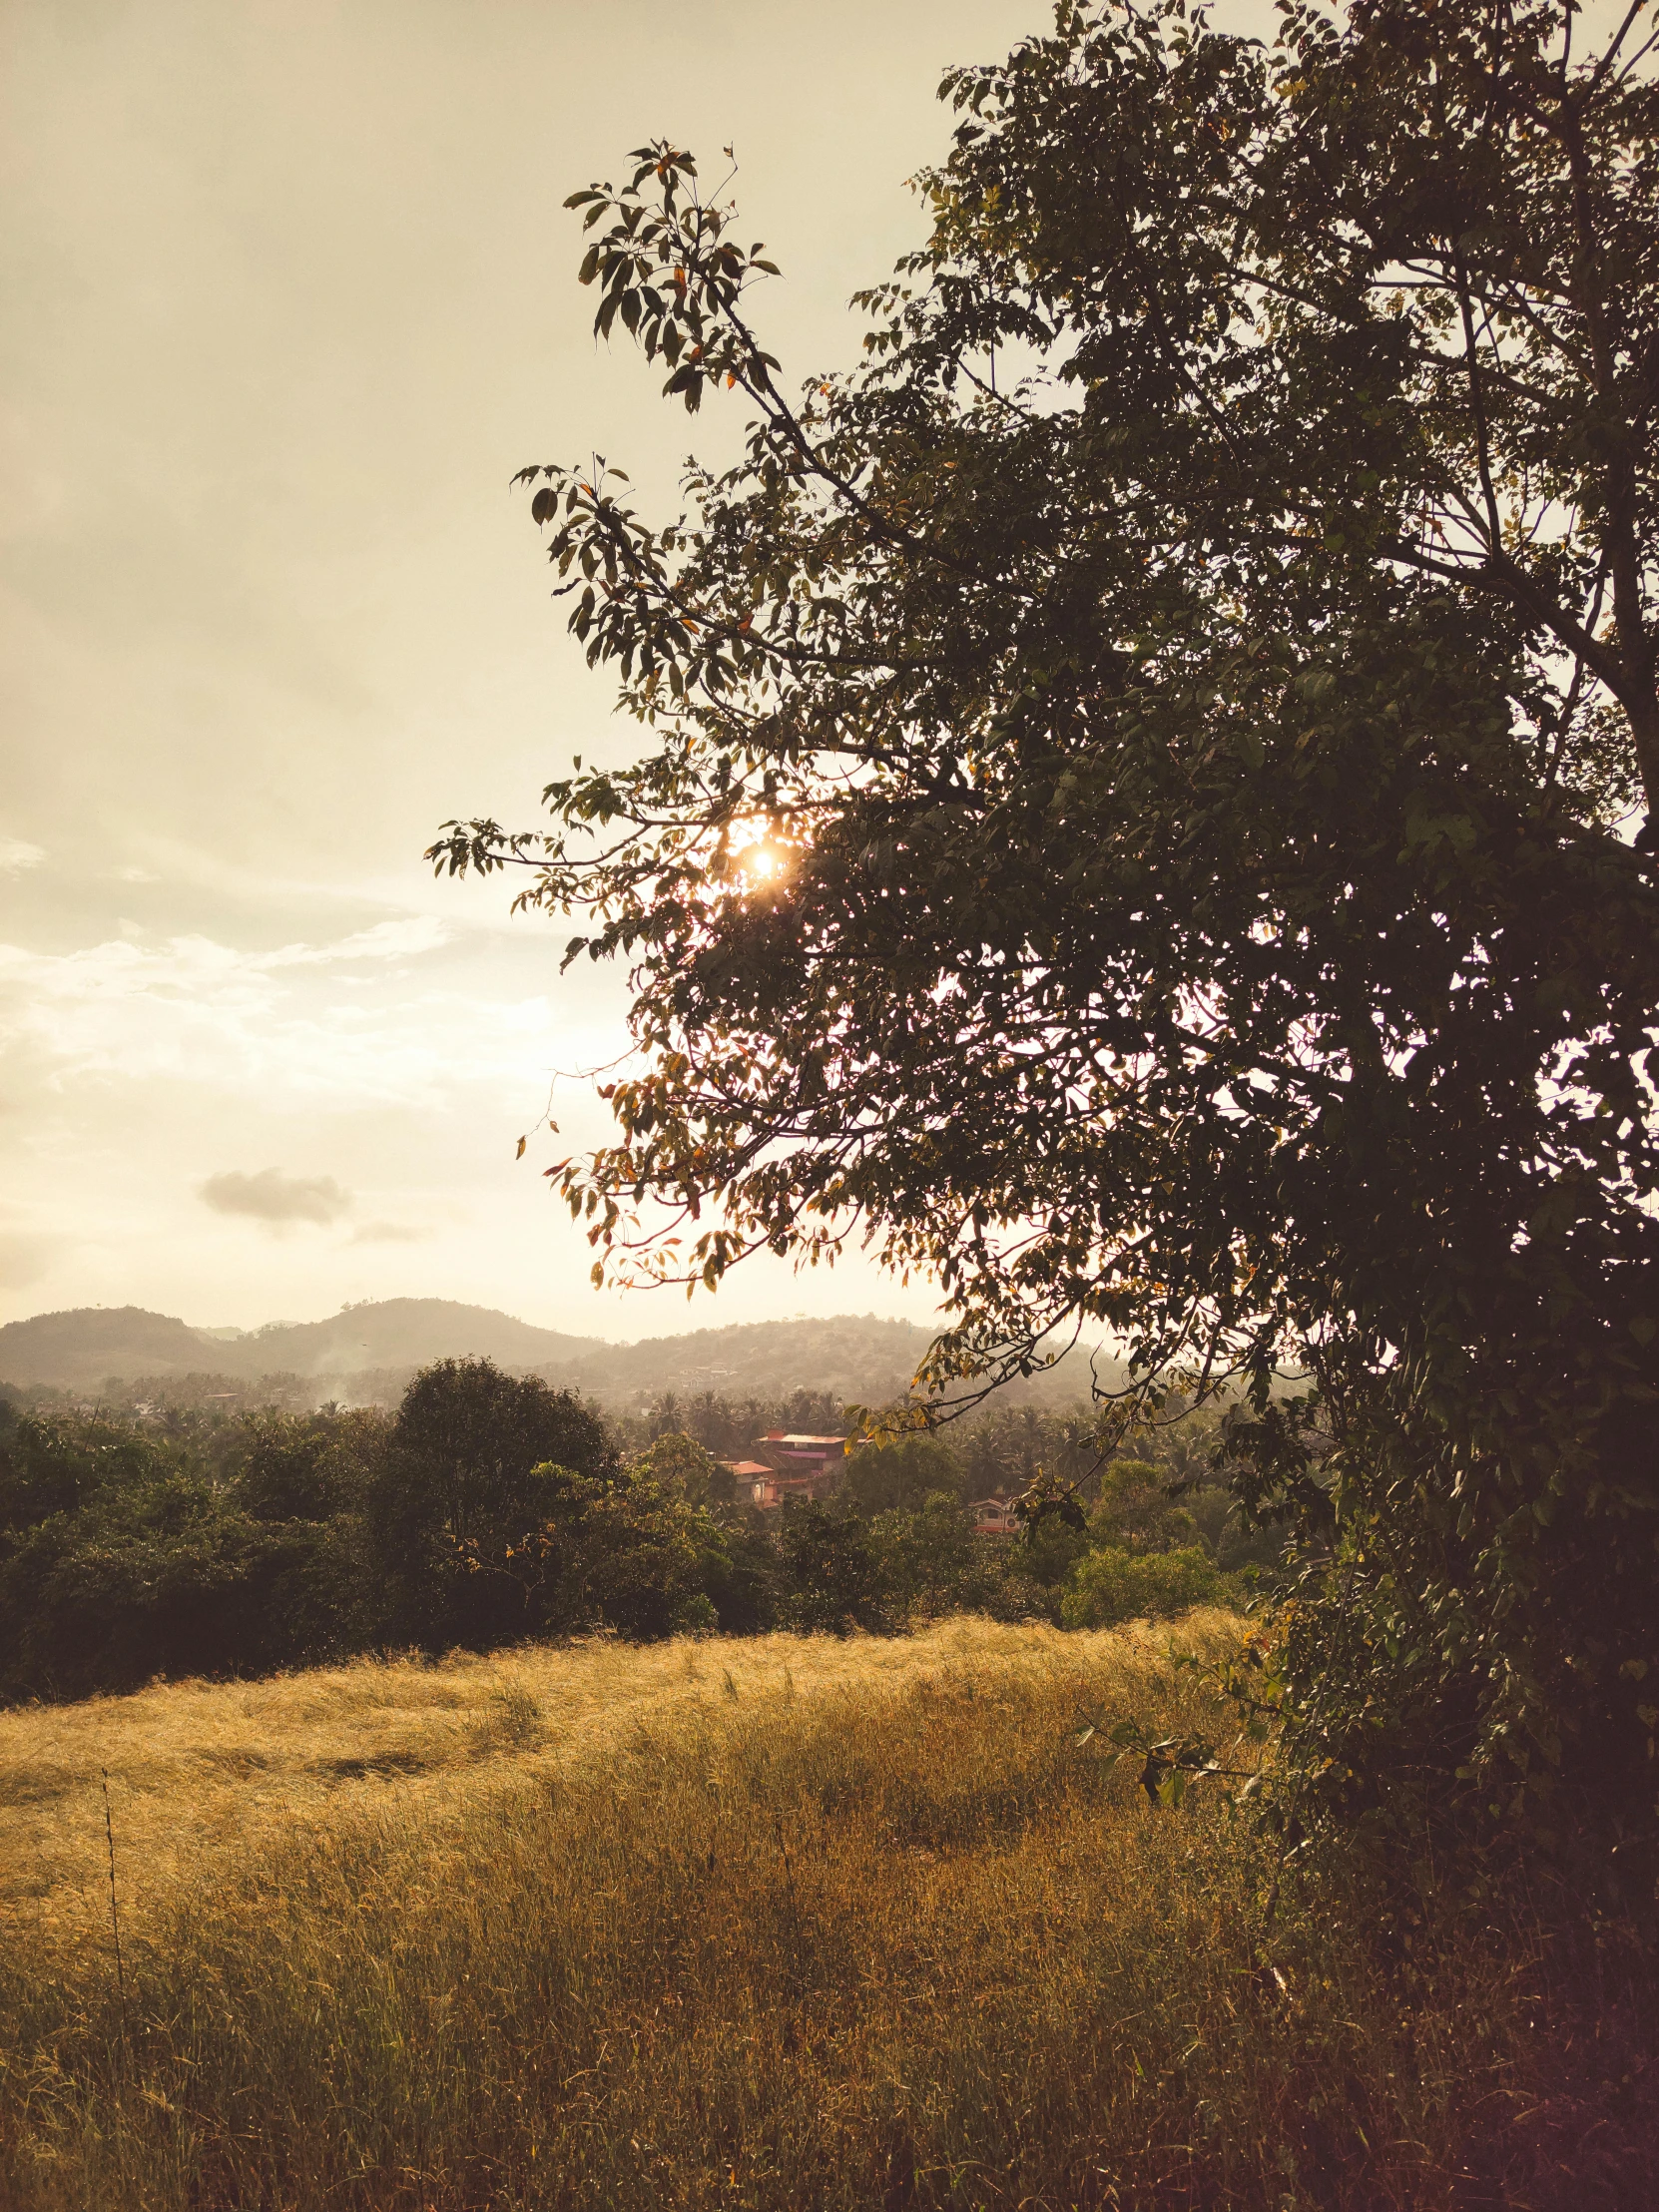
88 1346
856 1357
79 1349
367 1354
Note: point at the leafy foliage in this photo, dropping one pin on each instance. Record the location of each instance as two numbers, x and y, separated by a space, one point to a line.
686 1468
1109 1585
478 1461
1129 820
901 1474
116 1564
271 1540
834 1578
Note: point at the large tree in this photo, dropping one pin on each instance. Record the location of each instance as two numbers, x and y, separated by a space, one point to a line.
1130 822
477 1463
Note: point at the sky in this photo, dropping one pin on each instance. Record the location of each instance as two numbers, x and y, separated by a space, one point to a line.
289 294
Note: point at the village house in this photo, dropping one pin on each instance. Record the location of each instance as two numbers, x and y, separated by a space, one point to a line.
794 1466
750 1475
995 1516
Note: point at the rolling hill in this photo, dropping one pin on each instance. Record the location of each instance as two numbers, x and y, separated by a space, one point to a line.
402 1333
367 1354
854 1357
91 1345
80 1348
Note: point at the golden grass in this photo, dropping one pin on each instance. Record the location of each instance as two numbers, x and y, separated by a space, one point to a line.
773 1923
197 1768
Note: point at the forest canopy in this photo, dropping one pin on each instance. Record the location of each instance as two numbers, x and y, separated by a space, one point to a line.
1133 816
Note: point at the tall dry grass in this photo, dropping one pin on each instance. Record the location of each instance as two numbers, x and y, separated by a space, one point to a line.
773 1923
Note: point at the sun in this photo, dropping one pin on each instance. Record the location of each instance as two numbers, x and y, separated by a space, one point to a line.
762 863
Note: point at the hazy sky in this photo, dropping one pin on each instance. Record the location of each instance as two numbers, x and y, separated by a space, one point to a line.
289 294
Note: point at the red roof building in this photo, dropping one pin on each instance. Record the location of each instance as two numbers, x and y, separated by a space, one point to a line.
794 1465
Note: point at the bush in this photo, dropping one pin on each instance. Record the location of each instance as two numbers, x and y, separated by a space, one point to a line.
901 1477
163 1576
832 1577
490 1510
626 1554
682 1468
307 1466
1109 1585
1137 1512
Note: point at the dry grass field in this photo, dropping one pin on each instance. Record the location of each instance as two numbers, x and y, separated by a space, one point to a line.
778 1924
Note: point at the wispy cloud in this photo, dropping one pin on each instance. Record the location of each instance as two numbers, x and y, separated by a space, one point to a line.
387 940
17 853
276 1200
360 1021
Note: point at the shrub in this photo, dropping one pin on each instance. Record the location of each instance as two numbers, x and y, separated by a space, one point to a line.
903 1475
1109 1585
832 1577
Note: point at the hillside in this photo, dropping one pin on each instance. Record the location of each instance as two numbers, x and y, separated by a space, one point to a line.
86 1345
370 1352
854 1357
399 1333
79 1349
859 1359
367 1354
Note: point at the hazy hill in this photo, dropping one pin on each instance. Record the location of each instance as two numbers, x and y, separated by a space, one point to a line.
855 1357
368 1354
396 1333
89 1345
77 1349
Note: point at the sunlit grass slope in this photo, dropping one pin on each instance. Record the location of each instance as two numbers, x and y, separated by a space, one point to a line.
773 1923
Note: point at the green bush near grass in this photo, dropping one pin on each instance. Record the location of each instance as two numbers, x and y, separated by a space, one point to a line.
1110 1585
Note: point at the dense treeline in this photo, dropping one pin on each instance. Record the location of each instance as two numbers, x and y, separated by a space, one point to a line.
491 1508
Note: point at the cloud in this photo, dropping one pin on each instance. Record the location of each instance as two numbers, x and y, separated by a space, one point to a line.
276 1200
387 940
358 1022
17 853
388 1231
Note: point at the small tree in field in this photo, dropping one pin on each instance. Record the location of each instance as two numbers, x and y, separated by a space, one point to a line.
1129 813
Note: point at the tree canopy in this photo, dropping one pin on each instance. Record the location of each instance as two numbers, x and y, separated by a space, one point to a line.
1130 815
